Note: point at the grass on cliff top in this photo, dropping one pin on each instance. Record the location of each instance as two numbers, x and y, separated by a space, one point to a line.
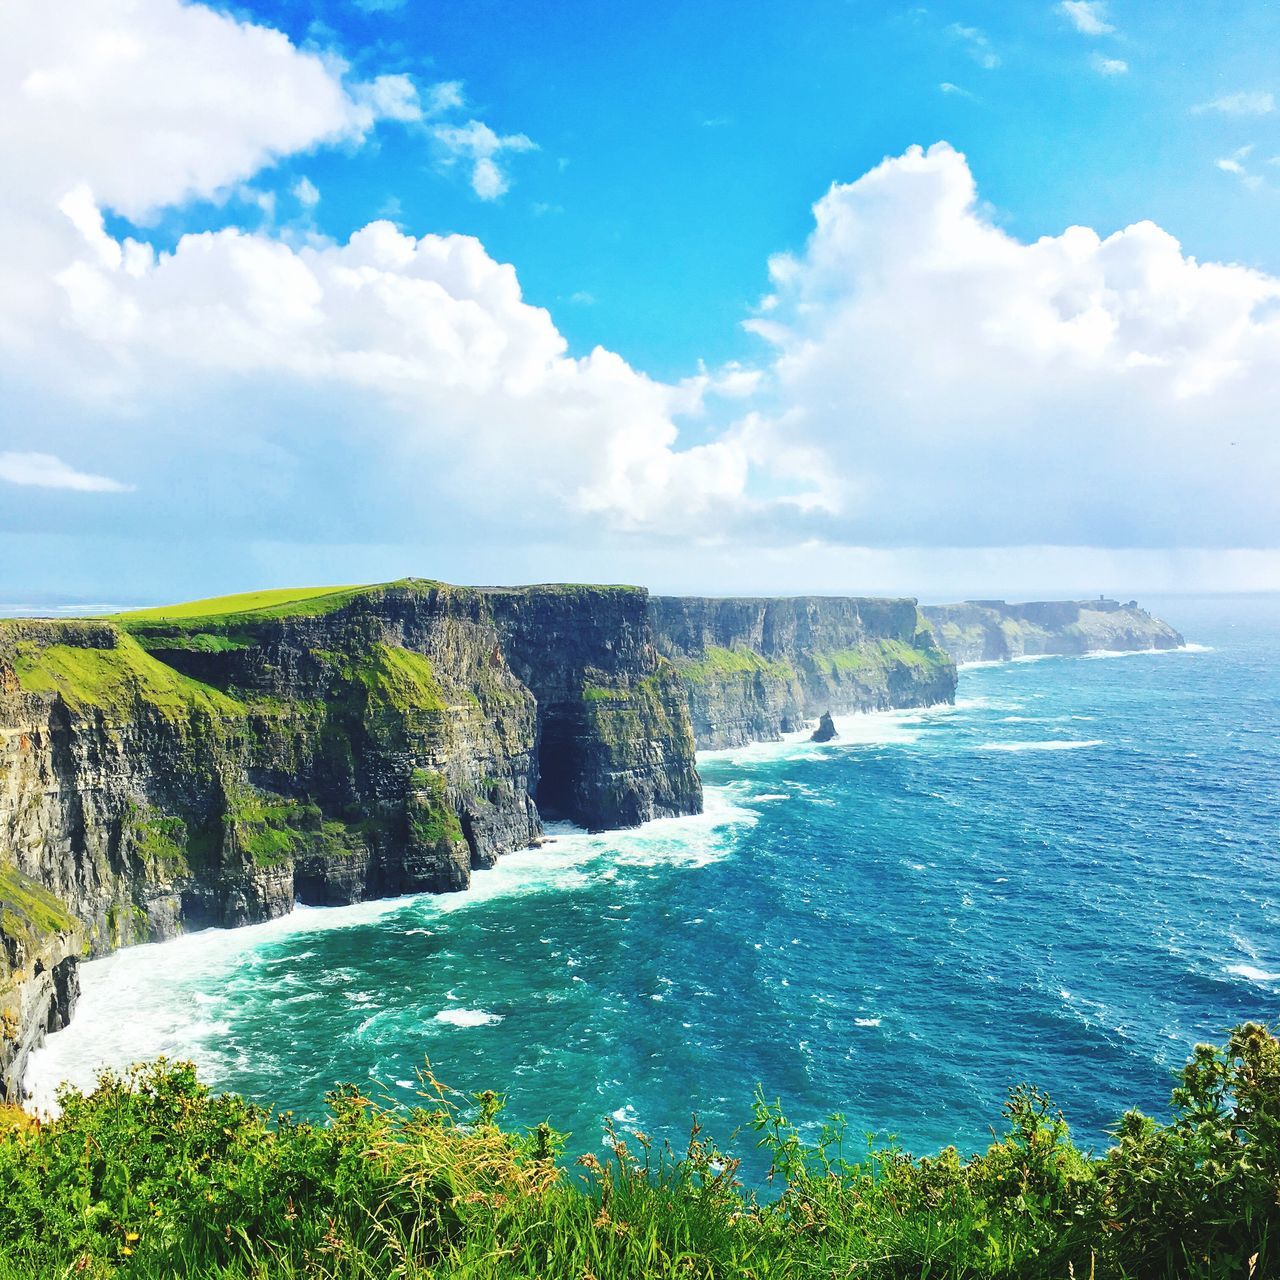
153 1176
115 678
284 600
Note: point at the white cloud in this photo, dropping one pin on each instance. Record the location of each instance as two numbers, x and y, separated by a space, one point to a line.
1234 164
151 102
947 87
1254 103
965 387
480 146
1087 16
306 193
929 379
45 471
444 97
1109 66
976 45
390 97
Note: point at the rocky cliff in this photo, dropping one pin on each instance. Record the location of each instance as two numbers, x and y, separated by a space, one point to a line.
213 764
756 669
991 630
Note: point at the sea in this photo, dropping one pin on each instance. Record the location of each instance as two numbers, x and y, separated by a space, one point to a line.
1068 878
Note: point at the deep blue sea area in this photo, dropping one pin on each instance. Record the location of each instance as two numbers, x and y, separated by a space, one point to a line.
1069 878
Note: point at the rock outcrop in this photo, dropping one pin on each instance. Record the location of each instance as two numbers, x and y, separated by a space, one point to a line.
991 630
826 730
756 669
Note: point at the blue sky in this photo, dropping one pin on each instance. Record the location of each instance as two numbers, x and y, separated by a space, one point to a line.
920 394
681 145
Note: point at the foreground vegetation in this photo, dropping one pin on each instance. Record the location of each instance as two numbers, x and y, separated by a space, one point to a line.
152 1175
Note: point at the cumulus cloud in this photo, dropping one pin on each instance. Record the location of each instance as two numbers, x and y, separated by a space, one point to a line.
927 379
479 146
1087 16
1252 103
151 102
967 387
46 471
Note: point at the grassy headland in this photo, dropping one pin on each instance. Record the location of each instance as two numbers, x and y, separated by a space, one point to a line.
152 1175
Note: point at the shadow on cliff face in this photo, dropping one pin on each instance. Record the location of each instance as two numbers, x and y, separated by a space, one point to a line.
559 768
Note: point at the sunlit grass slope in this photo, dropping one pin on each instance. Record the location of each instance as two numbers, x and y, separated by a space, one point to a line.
279 600
151 1176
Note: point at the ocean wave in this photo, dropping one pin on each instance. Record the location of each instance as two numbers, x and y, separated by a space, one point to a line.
1253 973
127 1012
1050 745
980 663
866 1022
468 1017
901 727
1146 653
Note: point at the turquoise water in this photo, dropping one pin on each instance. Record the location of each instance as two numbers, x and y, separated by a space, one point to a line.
1069 878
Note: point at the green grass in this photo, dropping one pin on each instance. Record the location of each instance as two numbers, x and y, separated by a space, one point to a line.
400 678
282 599
719 664
432 820
272 829
151 1175
115 678
29 913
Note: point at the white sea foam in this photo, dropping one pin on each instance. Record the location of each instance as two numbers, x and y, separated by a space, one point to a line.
1253 973
1052 745
468 1017
1004 662
866 1022
769 795
153 1000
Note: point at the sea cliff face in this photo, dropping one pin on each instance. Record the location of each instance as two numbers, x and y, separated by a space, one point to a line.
991 630
214 763
160 772
756 669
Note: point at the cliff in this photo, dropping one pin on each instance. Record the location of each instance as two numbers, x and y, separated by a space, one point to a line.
756 669
213 763
991 630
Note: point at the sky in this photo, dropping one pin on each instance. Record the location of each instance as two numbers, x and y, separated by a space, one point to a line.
952 299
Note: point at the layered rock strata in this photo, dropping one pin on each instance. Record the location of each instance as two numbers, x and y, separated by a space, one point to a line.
160 772
756 669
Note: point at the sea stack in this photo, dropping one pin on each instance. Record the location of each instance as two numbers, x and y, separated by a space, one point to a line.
826 729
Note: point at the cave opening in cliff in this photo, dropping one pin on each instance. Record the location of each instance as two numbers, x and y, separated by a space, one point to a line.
558 768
